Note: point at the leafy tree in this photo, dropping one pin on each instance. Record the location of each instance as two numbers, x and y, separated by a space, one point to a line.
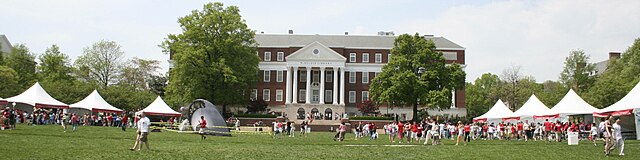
367 107
416 75
214 57
68 91
552 92
257 106
157 84
54 65
482 94
138 72
576 71
101 62
1 56
127 97
9 79
23 62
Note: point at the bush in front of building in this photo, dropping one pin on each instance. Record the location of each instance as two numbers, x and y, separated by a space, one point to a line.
370 118
255 115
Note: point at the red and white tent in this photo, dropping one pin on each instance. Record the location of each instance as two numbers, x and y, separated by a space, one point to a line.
534 109
624 106
572 104
496 114
159 107
36 96
3 101
95 103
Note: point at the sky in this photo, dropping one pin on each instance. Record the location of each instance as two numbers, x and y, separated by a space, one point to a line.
534 35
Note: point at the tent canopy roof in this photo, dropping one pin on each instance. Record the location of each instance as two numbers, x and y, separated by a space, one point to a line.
629 101
571 103
499 110
95 102
38 97
533 107
159 107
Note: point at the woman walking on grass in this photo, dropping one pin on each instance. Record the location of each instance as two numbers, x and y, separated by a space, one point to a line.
608 132
460 131
435 133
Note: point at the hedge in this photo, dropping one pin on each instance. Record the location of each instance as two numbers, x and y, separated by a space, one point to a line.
255 115
370 118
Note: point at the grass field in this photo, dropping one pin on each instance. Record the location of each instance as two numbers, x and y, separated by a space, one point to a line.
50 142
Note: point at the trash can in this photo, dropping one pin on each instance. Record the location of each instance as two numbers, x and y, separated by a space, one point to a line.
572 138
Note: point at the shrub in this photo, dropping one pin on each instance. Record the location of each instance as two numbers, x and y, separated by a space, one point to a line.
255 115
370 118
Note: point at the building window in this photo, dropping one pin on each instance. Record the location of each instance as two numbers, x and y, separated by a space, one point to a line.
280 56
254 94
388 57
279 95
328 96
378 58
352 96
329 77
365 58
365 77
365 96
352 77
267 56
266 95
303 76
302 96
315 77
315 97
279 76
376 74
267 76
352 57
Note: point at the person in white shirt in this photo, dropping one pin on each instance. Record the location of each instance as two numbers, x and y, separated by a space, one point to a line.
617 136
142 132
594 133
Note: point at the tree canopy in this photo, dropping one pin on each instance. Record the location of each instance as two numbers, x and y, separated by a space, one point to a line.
576 71
101 61
22 61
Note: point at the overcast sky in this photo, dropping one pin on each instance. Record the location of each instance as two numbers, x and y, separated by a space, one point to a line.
536 35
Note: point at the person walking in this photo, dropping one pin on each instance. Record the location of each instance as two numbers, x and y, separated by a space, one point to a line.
63 121
608 132
125 122
74 122
142 132
460 132
203 127
617 136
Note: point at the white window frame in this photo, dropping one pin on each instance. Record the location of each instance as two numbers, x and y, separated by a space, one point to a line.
365 57
365 77
280 56
266 95
352 57
328 96
267 56
279 76
254 94
267 76
328 76
279 95
352 77
302 95
365 98
388 57
378 58
352 96
303 76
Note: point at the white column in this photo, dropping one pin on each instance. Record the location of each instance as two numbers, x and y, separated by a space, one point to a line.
342 91
295 85
322 85
335 85
288 98
308 99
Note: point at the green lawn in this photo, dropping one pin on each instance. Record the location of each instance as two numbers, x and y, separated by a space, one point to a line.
49 142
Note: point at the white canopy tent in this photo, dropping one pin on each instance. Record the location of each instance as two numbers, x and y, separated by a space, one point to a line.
627 109
3 101
534 109
572 104
36 96
496 114
159 107
95 103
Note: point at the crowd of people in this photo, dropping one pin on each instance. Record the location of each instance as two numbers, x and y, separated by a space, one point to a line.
44 116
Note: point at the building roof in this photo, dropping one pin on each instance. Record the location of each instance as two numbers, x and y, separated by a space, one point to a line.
601 67
346 41
5 46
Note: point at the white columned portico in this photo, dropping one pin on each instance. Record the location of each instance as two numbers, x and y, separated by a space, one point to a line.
288 98
295 85
335 85
308 94
322 85
342 86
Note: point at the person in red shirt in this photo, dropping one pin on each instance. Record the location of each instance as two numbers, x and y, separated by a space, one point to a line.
414 132
520 128
467 131
125 122
558 129
74 121
547 128
109 122
203 127
400 131
419 134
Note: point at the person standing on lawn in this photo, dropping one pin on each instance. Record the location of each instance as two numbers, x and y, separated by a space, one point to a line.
203 127
607 134
63 121
460 132
593 134
74 122
142 132
617 136
125 122
400 131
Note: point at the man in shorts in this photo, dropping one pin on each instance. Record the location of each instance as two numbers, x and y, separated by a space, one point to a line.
142 133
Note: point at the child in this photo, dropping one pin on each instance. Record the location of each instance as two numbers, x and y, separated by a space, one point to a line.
594 133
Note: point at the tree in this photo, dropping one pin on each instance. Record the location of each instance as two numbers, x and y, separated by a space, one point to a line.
138 72
482 94
101 62
54 65
576 71
23 63
416 75
552 92
214 57
157 84
9 79
127 97
367 107
257 106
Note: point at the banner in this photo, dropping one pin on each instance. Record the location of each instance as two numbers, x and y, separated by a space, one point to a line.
547 116
480 120
615 113
510 118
